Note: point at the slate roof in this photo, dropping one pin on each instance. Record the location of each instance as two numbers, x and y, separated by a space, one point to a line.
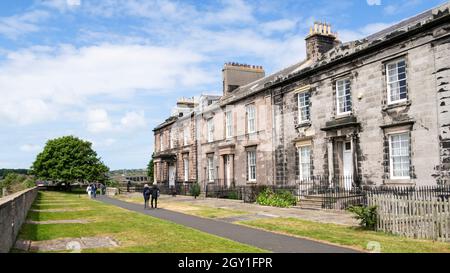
338 52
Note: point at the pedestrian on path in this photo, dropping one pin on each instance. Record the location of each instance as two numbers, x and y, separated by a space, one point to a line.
155 195
94 190
147 192
89 190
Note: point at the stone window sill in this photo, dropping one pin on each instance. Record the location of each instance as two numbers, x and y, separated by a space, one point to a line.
396 105
342 116
399 182
303 125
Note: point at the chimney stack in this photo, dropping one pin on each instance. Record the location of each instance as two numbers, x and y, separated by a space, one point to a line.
320 40
235 75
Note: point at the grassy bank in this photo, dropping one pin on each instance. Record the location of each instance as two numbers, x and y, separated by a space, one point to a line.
133 231
347 236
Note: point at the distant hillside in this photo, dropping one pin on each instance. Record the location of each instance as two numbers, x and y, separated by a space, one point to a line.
130 172
4 172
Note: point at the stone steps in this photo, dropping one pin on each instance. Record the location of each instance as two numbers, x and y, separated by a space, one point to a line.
310 202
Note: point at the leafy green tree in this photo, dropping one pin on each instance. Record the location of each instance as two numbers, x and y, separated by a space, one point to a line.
150 169
68 159
195 190
4 172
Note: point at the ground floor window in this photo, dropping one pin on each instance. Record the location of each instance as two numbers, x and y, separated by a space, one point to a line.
186 169
399 146
251 165
304 155
210 169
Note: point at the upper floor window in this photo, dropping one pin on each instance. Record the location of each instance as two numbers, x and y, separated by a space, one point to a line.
396 81
186 136
343 97
399 146
303 107
251 165
161 142
210 128
228 124
171 141
251 118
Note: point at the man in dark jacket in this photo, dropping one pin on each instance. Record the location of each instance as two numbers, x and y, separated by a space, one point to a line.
147 192
155 195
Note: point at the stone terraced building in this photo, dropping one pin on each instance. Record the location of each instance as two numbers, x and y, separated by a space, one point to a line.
374 111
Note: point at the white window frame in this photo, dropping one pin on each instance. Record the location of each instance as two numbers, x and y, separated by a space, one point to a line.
345 84
301 106
186 169
185 136
388 82
210 129
251 165
391 161
228 124
210 168
300 162
251 118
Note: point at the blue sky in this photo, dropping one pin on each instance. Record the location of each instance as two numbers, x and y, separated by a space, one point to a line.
108 71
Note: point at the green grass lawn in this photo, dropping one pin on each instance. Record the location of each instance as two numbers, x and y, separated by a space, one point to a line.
196 210
347 236
135 232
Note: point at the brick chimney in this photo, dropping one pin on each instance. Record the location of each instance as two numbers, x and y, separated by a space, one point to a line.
235 75
320 40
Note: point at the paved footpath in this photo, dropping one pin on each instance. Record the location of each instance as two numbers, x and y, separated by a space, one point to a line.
263 239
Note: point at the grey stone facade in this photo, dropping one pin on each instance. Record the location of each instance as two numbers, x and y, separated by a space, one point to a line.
375 110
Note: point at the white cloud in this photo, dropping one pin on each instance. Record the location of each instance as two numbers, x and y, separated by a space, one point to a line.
373 2
17 25
133 120
98 121
104 143
352 35
281 25
42 81
25 111
30 148
73 2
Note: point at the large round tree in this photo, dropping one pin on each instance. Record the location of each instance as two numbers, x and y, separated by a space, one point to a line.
69 159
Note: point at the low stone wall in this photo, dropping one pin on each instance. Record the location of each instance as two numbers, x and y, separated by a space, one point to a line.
13 211
112 191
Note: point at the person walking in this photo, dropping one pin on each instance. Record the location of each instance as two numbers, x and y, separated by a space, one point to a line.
155 195
147 192
89 190
94 190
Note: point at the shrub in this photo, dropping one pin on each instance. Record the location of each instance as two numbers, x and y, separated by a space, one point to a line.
112 183
195 190
233 195
14 182
367 216
282 198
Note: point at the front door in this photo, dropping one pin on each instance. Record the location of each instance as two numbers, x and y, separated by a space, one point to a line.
171 175
347 165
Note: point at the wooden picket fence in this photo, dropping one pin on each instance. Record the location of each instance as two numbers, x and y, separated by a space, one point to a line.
412 216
